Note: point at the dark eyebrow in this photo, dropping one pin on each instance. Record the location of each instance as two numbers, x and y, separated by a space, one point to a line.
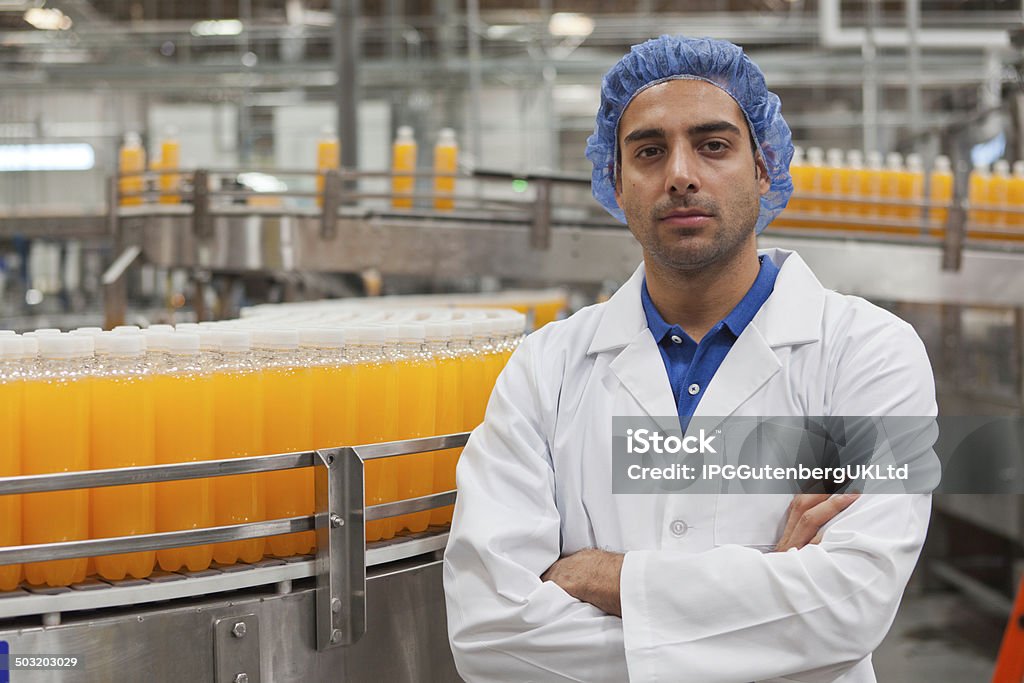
714 127
644 134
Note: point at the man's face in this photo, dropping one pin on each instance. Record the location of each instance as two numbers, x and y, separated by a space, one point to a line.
688 182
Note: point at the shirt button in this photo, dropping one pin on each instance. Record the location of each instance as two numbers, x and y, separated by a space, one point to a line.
678 528
676 339
694 389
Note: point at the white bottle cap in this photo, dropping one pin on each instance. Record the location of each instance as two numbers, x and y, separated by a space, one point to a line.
981 169
120 329
437 330
47 330
52 346
411 332
132 139
367 335
462 330
182 343
322 337
798 156
893 161
235 341
914 163
86 344
275 339
855 158
1018 169
815 156
161 328
1001 167
157 341
209 340
405 134
12 348
8 333
446 137
185 327
835 157
942 164
874 158
482 329
120 345
31 346
87 330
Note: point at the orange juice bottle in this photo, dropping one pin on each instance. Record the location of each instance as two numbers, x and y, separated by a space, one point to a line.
403 158
122 435
131 161
449 411
389 466
12 378
1015 197
55 438
474 373
977 195
377 393
890 182
911 188
999 192
328 151
816 180
287 428
857 190
237 433
334 390
941 192
832 181
183 404
170 159
446 159
801 181
874 176
417 418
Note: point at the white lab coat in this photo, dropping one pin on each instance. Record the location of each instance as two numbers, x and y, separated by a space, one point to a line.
702 600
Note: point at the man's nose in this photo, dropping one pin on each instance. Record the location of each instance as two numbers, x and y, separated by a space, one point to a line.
681 172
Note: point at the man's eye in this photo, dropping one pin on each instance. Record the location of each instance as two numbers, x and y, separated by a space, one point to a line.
715 146
647 152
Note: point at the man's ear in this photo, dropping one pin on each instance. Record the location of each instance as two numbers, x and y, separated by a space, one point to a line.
764 181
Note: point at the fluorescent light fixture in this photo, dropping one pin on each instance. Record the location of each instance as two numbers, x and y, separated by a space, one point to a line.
570 25
217 27
261 182
77 156
990 151
48 19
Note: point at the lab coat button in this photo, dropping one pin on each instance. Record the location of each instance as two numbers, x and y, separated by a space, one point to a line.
694 389
678 528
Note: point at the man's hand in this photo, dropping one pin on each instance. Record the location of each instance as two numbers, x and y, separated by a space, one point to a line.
590 575
808 513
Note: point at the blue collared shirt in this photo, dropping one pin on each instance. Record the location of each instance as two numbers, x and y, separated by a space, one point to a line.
691 365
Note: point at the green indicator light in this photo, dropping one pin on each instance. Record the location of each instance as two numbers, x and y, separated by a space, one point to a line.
519 185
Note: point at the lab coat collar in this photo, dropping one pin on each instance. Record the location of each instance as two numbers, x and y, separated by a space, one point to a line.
791 315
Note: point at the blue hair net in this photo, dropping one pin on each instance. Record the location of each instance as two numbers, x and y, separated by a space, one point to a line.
714 61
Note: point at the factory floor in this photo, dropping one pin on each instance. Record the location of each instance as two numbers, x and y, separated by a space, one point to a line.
939 637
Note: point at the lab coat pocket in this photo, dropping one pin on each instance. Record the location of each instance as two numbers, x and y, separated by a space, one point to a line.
756 520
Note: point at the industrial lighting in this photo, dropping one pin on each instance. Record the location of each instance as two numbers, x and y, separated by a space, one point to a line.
570 25
78 156
47 19
217 27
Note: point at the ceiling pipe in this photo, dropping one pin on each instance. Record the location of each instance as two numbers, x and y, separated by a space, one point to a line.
832 34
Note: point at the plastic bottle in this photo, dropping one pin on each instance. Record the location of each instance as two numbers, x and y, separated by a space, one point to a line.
449 411
131 161
832 181
287 428
417 418
999 193
328 158
122 435
446 160
170 159
183 405
1015 197
816 180
801 182
403 158
334 390
12 380
977 195
858 184
911 188
941 193
57 394
238 433
891 185
874 174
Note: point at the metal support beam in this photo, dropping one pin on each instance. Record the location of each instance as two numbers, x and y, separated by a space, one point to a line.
347 49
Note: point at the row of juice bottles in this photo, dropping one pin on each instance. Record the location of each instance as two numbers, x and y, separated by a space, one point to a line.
862 187
90 400
132 163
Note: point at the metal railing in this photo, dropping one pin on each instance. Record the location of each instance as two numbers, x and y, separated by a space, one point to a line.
340 565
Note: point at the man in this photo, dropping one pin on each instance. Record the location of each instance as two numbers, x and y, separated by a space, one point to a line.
551 577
